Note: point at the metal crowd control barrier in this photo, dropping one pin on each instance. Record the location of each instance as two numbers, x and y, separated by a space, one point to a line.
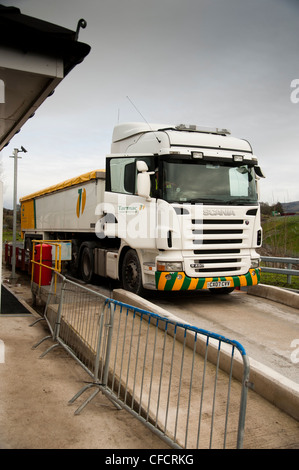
53 296
177 379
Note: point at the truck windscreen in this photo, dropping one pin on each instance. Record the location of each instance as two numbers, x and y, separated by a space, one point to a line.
208 182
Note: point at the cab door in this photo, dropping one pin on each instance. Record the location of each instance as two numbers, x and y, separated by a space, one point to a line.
134 215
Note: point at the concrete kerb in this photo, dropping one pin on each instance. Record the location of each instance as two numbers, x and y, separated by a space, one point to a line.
274 387
277 294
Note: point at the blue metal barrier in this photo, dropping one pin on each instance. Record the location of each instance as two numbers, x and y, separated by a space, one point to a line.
188 385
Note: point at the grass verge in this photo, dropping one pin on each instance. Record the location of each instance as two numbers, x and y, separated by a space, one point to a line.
279 280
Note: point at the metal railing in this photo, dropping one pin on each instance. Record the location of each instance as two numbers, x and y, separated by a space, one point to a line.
187 384
288 271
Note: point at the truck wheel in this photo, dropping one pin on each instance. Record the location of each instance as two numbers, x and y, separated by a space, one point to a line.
86 264
131 273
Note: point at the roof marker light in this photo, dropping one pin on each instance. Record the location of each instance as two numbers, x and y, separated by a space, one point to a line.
208 130
197 154
238 158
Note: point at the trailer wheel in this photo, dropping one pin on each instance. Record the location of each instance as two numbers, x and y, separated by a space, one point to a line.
86 264
131 275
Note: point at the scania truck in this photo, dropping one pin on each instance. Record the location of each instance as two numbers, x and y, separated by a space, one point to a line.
175 209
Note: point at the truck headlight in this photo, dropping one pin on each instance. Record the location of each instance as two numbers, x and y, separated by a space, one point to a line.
255 263
169 266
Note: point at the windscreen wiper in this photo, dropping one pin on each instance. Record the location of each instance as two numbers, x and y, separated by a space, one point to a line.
241 202
205 201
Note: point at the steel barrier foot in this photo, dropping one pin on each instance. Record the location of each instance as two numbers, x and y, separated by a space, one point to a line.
82 390
44 339
49 349
89 399
36 321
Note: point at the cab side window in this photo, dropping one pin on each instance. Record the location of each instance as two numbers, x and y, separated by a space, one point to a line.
122 175
129 178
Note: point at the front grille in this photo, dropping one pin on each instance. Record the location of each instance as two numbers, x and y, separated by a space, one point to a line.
226 251
217 221
215 260
215 231
218 241
220 232
205 265
216 270
217 245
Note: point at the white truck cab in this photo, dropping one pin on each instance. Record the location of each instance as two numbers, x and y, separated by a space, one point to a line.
176 209
185 206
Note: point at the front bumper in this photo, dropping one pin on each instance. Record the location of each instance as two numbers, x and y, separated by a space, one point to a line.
179 280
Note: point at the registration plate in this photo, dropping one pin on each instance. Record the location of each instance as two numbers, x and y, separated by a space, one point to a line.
218 284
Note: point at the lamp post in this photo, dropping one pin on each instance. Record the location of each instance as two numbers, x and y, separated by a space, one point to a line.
14 232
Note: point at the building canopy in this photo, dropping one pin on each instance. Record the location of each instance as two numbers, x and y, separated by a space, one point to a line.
35 56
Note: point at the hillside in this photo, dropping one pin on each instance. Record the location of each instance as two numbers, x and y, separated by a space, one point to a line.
281 236
8 218
291 206
8 224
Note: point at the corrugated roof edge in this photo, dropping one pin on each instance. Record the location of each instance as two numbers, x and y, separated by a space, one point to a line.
95 174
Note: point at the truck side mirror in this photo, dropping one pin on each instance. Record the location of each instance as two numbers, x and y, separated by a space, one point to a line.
258 171
143 180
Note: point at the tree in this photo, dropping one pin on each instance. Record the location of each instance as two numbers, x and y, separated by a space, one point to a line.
278 208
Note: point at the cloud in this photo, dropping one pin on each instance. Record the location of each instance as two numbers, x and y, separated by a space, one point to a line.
225 64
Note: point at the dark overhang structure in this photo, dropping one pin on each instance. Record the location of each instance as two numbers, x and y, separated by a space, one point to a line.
35 56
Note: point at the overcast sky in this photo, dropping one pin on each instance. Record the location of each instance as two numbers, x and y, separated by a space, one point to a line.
219 63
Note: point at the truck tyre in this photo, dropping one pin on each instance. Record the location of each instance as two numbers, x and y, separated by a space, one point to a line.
131 275
86 264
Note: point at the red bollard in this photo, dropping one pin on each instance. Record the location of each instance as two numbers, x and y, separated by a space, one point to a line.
42 274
